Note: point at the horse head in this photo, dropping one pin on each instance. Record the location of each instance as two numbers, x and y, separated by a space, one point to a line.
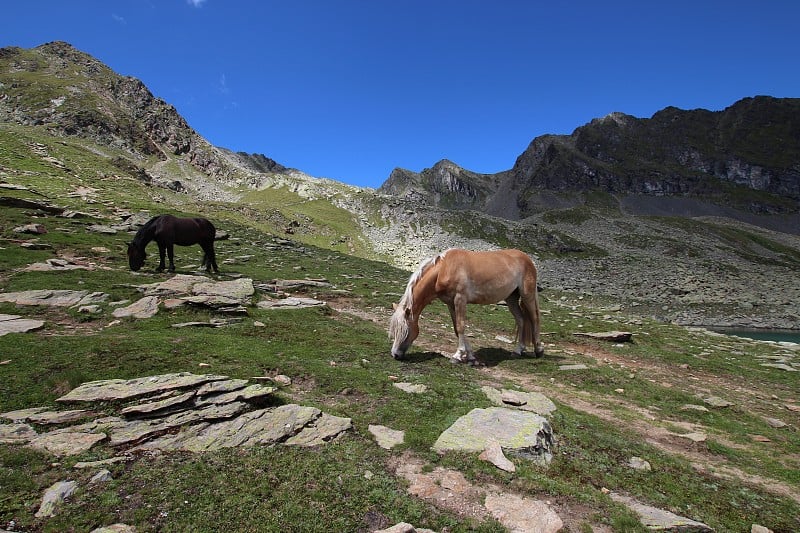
403 329
136 256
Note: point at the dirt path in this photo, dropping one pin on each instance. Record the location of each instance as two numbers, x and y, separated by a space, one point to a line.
650 425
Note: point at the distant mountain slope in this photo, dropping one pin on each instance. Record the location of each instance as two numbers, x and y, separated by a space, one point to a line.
746 156
74 94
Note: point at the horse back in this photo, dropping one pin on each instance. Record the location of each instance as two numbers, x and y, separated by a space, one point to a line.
485 276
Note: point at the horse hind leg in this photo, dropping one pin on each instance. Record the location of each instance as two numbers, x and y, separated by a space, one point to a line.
209 258
519 319
532 321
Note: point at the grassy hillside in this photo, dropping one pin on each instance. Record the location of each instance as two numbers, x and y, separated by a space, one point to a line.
627 402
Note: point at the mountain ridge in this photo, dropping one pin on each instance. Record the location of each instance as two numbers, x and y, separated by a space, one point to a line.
752 145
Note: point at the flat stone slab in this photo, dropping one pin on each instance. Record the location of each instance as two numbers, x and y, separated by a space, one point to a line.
659 519
180 411
54 496
523 515
59 417
160 406
522 433
412 388
124 389
387 438
289 303
57 298
66 443
526 401
177 284
610 336
263 426
17 324
16 433
142 308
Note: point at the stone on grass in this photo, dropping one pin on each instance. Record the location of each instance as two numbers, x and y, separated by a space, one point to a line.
637 463
17 324
610 336
56 298
102 476
54 496
659 519
521 433
142 308
289 303
125 389
523 515
16 433
412 388
716 401
387 438
115 528
66 443
526 401
494 454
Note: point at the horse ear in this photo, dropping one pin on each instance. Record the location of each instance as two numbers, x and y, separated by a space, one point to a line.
394 307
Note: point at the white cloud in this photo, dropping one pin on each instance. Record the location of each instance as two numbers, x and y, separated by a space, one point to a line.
223 84
118 18
196 3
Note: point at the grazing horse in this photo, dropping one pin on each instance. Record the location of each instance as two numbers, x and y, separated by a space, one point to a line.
461 277
167 231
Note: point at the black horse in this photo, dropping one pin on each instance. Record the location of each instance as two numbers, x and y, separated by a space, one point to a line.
167 231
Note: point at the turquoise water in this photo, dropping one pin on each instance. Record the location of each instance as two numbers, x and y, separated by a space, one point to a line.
779 335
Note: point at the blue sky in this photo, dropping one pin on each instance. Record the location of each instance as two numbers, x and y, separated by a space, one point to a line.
350 89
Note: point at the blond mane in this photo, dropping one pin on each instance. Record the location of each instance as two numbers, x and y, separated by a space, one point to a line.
398 325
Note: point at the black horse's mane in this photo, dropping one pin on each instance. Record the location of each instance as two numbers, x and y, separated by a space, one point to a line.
144 235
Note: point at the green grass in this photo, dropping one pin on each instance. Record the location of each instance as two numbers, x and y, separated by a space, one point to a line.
340 364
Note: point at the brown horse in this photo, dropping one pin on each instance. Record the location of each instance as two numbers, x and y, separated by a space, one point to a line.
167 231
461 277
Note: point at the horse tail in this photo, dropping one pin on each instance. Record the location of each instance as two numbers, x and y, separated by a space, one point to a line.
531 314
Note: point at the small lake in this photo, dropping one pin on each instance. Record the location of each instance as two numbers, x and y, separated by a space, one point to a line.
778 335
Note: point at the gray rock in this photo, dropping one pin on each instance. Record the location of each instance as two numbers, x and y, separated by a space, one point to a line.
387 438
322 430
102 462
124 389
637 463
573 367
102 476
17 324
523 515
249 393
59 417
160 406
54 496
494 454
659 519
143 308
115 528
34 229
521 433
55 265
66 443
411 388
16 433
610 336
526 401
57 298
263 426
716 401
21 415
289 303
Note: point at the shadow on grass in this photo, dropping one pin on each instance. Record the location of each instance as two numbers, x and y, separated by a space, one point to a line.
494 356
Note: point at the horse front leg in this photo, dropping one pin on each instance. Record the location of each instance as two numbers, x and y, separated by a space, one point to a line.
162 249
171 254
458 313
